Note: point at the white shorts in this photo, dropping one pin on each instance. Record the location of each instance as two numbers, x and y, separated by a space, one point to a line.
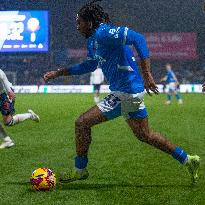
123 104
172 87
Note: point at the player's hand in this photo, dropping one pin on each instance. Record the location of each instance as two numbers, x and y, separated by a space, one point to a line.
50 75
203 87
11 95
150 84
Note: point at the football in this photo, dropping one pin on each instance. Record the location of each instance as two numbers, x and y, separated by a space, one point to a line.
43 179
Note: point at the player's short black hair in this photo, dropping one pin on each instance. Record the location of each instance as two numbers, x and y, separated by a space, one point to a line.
94 13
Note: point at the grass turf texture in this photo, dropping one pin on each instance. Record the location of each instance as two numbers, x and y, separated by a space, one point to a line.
122 169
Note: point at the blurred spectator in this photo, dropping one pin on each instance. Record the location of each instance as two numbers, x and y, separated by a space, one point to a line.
28 70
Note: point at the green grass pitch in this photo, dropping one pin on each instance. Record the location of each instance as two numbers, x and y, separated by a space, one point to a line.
122 169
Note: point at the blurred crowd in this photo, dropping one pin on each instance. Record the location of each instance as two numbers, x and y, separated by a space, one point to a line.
28 70
146 16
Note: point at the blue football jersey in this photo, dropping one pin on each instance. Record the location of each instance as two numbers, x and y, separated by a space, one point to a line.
170 77
110 48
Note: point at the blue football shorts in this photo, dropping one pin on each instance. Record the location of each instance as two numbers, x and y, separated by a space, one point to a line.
130 106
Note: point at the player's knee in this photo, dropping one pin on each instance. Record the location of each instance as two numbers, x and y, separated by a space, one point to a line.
80 122
143 135
9 122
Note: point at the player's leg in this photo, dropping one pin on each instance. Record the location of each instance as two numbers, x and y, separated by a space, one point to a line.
83 139
142 132
178 97
96 93
96 97
106 110
10 120
83 129
7 142
171 91
169 97
8 110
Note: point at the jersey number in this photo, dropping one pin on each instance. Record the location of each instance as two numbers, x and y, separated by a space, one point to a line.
111 100
115 32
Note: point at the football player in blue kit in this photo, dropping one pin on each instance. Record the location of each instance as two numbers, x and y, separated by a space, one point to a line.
172 83
109 47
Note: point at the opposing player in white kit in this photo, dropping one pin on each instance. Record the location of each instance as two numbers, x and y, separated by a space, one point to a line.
96 79
7 101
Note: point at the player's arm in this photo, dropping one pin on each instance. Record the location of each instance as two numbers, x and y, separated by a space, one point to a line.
139 42
163 79
119 36
79 69
149 82
175 78
7 85
122 35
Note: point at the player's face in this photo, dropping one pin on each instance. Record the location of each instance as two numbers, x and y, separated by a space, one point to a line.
168 67
83 26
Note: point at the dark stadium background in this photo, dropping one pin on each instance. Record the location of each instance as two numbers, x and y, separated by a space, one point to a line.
142 15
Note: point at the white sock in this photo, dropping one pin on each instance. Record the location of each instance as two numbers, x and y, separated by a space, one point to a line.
79 170
186 160
21 117
96 99
7 139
